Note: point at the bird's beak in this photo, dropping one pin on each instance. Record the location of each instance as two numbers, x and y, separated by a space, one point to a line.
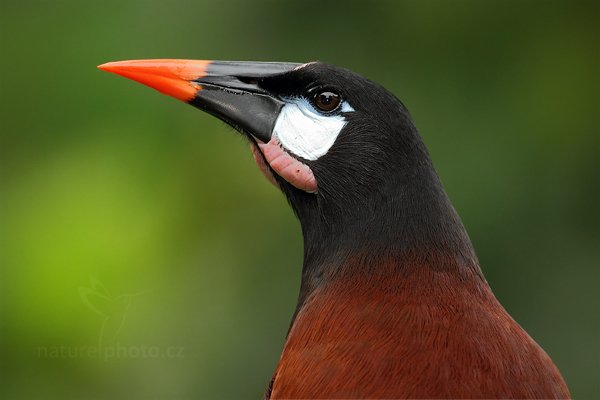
229 90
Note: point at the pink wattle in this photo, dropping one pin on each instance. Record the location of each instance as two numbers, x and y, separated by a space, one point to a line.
262 165
295 172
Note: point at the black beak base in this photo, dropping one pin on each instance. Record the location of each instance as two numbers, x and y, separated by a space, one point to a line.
231 92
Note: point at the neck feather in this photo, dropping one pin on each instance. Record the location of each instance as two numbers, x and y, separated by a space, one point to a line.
410 224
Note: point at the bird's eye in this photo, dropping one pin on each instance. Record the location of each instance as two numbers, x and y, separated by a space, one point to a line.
327 101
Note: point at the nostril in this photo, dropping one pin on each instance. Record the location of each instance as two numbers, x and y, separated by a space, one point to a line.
248 80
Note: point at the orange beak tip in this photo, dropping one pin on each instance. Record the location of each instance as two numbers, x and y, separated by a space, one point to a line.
104 67
171 77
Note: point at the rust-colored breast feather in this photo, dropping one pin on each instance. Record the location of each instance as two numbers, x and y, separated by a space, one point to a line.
426 335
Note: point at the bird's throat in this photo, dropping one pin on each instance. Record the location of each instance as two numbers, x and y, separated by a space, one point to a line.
387 239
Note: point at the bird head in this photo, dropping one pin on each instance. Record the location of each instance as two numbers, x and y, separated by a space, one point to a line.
342 148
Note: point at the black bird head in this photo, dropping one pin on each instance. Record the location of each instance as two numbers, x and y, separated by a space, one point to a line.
343 149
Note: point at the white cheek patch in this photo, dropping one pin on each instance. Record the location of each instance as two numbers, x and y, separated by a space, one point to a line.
305 132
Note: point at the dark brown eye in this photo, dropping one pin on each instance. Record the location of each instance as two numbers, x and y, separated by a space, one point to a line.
327 101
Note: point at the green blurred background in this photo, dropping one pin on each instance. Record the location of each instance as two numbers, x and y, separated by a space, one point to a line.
135 223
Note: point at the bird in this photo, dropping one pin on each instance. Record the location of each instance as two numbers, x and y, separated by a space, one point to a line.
393 302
